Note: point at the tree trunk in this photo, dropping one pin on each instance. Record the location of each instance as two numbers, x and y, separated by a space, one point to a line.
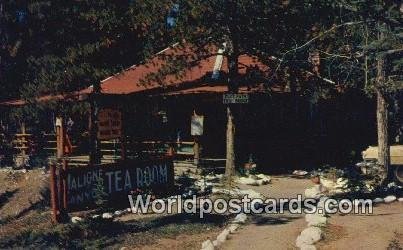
232 45
196 150
232 88
398 121
382 120
94 154
230 142
382 123
294 94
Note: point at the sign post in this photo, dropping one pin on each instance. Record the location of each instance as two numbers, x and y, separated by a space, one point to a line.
59 138
196 150
196 130
64 185
235 98
109 124
53 194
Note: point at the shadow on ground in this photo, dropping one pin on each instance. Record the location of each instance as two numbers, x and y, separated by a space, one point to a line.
101 233
4 197
264 220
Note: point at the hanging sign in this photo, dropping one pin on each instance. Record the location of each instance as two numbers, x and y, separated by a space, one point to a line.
235 98
196 127
109 124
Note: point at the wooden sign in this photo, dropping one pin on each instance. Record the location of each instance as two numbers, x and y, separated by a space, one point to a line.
196 127
117 181
235 98
109 124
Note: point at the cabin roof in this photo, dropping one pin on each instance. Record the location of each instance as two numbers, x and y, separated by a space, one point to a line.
201 74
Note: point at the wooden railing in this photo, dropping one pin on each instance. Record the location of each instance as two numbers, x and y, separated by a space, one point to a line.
23 143
182 149
111 150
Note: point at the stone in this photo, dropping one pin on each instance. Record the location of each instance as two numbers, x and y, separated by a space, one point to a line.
213 177
337 190
390 198
361 164
118 213
299 242
252 194
317 221
341 183
240 218
264 178
247 181
314 233
207 245
95 216
400 199
107 215
321 203
202 184
369 187
314 192
329 184
257 180
222 237
377 200
309 236
216 190
76 219
307 247
308 217
233 227
129 209
300 172
392 185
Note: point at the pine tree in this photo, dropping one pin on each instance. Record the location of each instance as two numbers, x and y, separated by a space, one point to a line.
366 54
54 47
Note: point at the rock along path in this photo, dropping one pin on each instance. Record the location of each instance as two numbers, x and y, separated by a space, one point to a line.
272 231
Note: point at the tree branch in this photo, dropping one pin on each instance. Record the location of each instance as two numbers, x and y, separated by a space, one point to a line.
321 35
309 72
313 40
335 55
393 51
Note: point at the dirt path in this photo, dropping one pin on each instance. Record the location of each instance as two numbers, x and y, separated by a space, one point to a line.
374 231
380 230
272 231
